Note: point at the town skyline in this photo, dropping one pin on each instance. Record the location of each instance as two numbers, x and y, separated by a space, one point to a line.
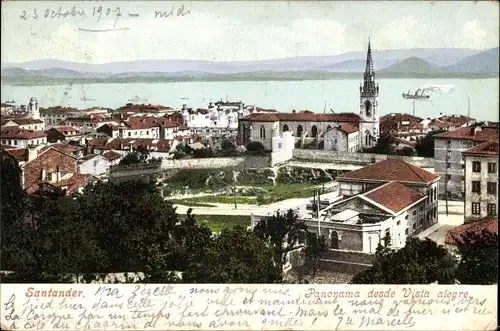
244 31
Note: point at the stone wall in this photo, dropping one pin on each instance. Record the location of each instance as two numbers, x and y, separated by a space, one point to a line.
356 158
242 162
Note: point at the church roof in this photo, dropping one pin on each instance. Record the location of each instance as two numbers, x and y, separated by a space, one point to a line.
304 116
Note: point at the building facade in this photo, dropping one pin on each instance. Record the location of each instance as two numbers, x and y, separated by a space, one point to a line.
481 181
449 162
342 138
20 138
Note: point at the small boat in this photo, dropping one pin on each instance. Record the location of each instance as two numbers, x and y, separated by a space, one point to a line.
9 101
184 98
418 95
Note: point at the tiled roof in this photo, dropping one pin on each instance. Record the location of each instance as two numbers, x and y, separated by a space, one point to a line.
19 154
469 133
72 183
112 155
65 129
63 147
456 120
302 116
347 128
17 133
4 147
454 236
489 148
394 196
391 170
26 121
98 142
398 117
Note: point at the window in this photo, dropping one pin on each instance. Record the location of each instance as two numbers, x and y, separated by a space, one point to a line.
491 209
129 134
448 154
448 177
406 231
262 132
476 187
414 226
476 166
492 188
447 164
463 166
476 208
399 223
492 168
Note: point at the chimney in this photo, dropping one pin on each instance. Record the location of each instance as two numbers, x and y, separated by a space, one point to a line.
294 111
32 153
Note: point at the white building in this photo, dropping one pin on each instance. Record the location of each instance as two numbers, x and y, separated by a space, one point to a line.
94 164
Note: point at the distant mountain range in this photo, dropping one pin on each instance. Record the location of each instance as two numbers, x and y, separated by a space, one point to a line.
449 62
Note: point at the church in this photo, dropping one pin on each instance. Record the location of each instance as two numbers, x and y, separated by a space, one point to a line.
348 132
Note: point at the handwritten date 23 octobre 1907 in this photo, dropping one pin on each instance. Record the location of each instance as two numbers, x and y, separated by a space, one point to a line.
98 12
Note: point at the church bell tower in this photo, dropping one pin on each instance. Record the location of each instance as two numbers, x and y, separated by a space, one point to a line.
368 104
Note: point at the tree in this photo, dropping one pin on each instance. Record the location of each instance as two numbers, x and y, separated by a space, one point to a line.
235 256
419 262
227 148
13 207
181 151
282 232
383 146
479 258
425 146
255 147
203 153
315 248
139 155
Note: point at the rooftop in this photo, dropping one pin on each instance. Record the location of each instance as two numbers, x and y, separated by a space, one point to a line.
394 196
489 148
18 133
391 170
302 116
474 133
22 121
112 155
454 236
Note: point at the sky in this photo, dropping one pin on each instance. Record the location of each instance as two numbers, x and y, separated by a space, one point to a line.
239 30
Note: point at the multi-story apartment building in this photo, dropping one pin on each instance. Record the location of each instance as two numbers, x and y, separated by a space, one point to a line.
481 181
448 159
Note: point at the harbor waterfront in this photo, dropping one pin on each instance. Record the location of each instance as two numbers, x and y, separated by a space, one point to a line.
315 95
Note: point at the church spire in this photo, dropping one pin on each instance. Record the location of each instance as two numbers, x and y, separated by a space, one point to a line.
369 86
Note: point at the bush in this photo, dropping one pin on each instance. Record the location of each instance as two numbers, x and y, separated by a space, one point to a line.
254 146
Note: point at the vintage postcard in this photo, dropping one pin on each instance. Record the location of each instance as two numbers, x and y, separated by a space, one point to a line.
249 165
